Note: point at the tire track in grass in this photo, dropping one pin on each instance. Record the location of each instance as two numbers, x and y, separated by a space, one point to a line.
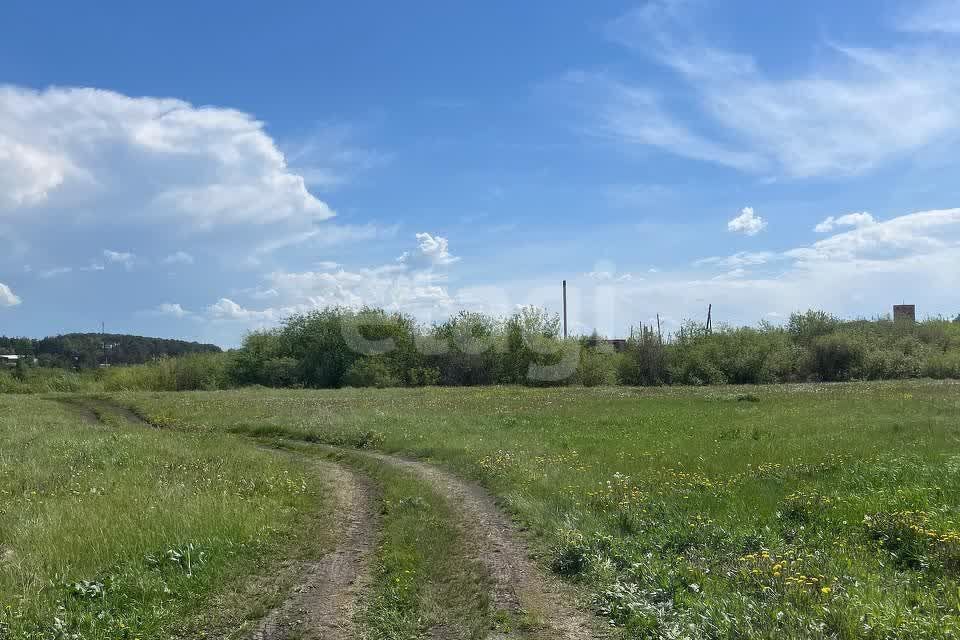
519 587
323 603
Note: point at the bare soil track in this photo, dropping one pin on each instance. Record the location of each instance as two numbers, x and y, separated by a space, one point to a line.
322 606
518 584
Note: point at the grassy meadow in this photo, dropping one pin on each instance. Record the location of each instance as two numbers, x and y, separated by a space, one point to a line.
807 511
112 531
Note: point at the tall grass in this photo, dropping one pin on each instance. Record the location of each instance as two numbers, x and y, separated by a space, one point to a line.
116 532
193 372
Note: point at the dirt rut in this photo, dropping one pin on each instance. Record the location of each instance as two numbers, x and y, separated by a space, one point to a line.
518 584
322 605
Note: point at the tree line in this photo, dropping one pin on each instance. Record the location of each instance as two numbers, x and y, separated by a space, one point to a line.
89 350
373 348
340 347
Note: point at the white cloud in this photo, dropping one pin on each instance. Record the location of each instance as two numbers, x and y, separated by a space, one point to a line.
851 111
740 259
409 285
861 270
29 173
7 297
432 250
227 309
856 272
849 220
327 235
905 237
119 257
179 257
330 156
154 159
636 116
747 223
173 309
54 272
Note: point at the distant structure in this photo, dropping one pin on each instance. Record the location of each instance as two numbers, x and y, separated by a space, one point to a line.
12 360
9 360
617 344
904 313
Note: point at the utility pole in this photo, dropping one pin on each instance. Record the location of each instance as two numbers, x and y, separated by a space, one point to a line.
710 318
659 334
103 343
564 309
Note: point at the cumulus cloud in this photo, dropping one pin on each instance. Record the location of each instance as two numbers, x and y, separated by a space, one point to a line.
7 297
227 309
918 248
849 220
172 309
156 159
858 270
409 285
909 237
747 223
179 257
854 272
432 250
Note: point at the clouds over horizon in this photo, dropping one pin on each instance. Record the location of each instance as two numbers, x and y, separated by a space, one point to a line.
172 215
413 284
854 267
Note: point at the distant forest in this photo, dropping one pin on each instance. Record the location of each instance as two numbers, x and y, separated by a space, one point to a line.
90 350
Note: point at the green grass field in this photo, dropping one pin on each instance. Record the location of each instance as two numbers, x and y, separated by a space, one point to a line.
808 511
793 511
112 531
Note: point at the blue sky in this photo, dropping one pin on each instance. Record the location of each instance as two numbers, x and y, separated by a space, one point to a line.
198 170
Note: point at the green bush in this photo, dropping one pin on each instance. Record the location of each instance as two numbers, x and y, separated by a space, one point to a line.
598 367
836 357
466 349
644 361
942 365
423 377
319 348
889 364
280 372
370 372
